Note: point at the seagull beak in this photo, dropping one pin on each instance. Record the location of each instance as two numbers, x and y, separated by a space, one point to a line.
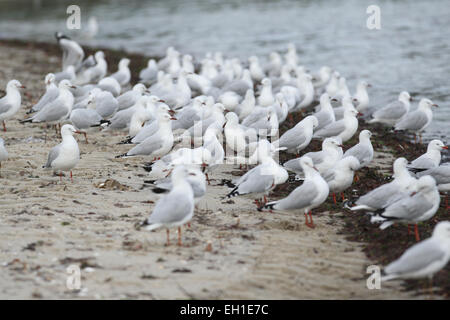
410 99
360 114
226 110
173 118
163 101
23 87
445 147
171 112
80 132
435 105
168 174
340 145
73 87
413 194
315 168
204 165
334 100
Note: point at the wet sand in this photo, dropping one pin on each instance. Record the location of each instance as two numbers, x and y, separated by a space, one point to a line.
231 250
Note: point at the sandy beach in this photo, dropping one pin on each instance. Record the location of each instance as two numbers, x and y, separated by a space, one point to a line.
231 251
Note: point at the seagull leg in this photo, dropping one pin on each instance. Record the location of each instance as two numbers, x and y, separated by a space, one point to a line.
409 229
416 231
334 198
430 288
60 176
265 199
342 196
4 126
179 237
168 237
207 179
356 177
312 222
85 137
71 178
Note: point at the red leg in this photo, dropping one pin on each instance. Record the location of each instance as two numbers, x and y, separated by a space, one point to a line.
71 178
312 222
4 126
334 198
342 196
265 199
416 230
60 176
179 237
168 237
207 179
189 224
409 229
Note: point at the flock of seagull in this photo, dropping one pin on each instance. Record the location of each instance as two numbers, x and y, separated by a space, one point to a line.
179 112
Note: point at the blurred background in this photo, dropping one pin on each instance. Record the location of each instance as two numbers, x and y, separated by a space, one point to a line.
411 51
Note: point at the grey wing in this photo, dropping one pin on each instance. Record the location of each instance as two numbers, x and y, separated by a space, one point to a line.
256 182
408 208
316 157
378 197
412 121
293 165
171 208
360 152
300 198
4 105
49 96
324 119
292 138
146 131
417 258
394 110
331 130
422 162
441 174
147 147
54 153
51 112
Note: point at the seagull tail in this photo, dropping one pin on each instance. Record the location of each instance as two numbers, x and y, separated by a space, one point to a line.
122 155
416 170
159 190
126 141
101 123
269 206
26 120
147 166
228 183
348 204
31 111
148 225
233 193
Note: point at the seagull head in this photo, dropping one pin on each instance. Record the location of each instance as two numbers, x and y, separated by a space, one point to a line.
15 84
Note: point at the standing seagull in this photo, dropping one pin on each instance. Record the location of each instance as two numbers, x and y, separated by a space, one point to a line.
123 75
299 137
10 104
418 120
73 54
64 156
363 151
176 208
51 93
311 194
57 110
394 111
430 159
3 153
419 207
340 176
423 259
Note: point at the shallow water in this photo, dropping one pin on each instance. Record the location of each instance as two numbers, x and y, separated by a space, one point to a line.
410 52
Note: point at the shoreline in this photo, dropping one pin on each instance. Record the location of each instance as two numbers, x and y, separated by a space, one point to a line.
237 241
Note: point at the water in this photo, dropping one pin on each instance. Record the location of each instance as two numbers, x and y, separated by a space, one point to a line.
410 52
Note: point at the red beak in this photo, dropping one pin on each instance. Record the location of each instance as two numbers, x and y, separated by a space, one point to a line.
173 118
162 101
360 114
445 147
435 105
23 87
171 112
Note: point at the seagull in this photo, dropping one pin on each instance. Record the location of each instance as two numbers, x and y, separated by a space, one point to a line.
298 137
176 208
394 111
105 104
362 96
57 110
418 120
441 174
69 74
156 145
340 176
123 75
64 156
323 160
94 73
325 115
430 159
111 85
416 208
3 152
10 104
424 259
132 96
73 54
344 128
311 194
196 179
363 151
386 194
51 93
266 97
149 74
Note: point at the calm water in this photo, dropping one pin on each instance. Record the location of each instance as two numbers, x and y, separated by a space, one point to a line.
410 52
